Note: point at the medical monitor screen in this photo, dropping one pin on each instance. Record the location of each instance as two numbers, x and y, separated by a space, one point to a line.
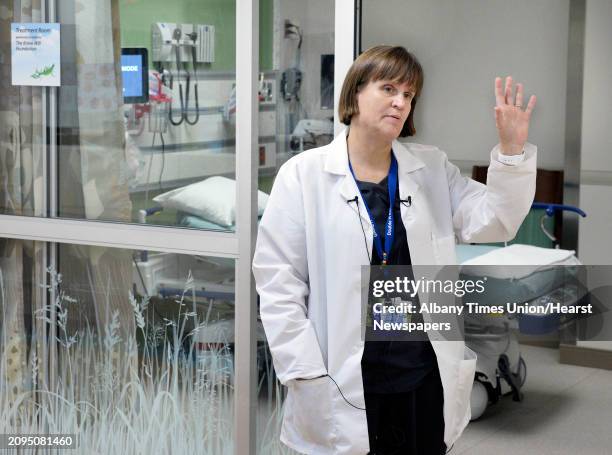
135 73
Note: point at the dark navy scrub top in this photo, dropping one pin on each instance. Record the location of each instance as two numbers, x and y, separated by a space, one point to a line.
392 366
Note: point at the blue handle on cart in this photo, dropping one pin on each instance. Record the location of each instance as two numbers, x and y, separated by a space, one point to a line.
153 210
552 208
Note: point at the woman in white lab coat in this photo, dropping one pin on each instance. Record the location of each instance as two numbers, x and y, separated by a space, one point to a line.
319 229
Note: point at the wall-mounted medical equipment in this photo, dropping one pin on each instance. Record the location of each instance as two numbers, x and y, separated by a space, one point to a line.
135 74
266 91
311 133
155 110
291 82
291 79
293 30
206 46
184 95
159 102
164 38
182 44
161 41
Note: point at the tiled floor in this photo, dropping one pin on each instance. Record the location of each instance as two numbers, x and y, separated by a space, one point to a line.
567 410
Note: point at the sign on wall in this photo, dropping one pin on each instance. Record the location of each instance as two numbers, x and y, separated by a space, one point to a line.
35 52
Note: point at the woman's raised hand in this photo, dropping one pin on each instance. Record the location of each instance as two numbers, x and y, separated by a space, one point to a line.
511 120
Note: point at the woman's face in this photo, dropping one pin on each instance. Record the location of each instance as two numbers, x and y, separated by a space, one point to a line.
383 108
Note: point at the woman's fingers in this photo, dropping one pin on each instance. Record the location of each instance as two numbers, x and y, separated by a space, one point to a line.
498 115
508 90
503 96
499 96
531 104
519 96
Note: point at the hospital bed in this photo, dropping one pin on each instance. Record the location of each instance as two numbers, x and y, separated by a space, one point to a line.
209 204
516 273
185 219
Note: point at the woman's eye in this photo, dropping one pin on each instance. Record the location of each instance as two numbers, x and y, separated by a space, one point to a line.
388 89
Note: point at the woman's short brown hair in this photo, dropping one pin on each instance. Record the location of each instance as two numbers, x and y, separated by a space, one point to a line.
392 63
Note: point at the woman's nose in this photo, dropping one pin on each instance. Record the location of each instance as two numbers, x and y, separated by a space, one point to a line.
399 101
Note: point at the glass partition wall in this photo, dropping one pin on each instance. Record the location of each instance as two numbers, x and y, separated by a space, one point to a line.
303 67
129 210
147 115
134 344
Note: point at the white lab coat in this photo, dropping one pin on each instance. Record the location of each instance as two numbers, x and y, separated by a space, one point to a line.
307 267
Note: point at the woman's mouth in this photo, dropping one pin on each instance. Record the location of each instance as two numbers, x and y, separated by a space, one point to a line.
393 117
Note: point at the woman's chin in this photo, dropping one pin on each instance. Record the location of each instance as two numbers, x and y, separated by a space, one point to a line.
390 133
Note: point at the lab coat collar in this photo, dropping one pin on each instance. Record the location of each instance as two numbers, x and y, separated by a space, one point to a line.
337 158
337 163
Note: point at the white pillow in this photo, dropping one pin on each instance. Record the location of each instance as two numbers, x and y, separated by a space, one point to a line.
213 199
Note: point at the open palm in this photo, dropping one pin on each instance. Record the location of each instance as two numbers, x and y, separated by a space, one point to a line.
511 121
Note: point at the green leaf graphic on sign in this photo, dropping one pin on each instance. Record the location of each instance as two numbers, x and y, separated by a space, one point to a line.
45 72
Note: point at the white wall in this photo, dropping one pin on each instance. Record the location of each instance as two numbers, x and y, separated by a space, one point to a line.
594 243
463 45
594 238
597 98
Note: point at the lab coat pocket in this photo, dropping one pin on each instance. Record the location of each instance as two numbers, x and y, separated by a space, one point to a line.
312 410
444 249
467 370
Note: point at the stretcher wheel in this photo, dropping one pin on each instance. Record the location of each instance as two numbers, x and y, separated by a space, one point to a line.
478 400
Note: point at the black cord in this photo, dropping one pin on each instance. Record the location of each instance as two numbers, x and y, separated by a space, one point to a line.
339 390
181 98
161 172
301 109
144 205
195 86
365 240
337 386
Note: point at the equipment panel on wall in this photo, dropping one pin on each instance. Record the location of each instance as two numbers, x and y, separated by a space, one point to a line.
206 48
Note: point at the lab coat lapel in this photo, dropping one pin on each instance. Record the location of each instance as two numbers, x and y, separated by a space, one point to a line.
348 191
416 213
337 163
